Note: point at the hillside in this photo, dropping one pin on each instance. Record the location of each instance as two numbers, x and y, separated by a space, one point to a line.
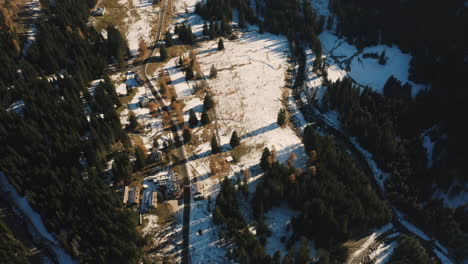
180 131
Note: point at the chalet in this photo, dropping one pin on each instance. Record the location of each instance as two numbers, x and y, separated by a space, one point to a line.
154 200
133 195
125 194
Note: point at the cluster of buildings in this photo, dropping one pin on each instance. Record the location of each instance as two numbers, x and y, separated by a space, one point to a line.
169 182
131 196
166 184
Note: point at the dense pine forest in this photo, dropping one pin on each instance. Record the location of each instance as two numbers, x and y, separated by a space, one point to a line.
56 146
390 125
333 196
45 144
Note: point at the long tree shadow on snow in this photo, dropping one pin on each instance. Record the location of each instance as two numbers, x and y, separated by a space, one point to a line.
261 130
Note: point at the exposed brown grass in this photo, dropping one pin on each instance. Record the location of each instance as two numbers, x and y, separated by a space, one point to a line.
219 167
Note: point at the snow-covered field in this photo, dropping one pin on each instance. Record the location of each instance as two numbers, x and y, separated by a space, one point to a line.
136 18
248 94
139 23
366 71
278 219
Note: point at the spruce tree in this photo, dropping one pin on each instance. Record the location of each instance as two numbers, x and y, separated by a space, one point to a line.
235 141
382 58
163 52
214 145
264 161
193 120
329 22
212 30
261 28
180 62
169 40
213 72
220 44
187 135
281 117
189 73
208 102
133 121
121 169
140 159
241 20
205 29
205 119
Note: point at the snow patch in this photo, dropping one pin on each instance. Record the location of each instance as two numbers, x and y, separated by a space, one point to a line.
278 219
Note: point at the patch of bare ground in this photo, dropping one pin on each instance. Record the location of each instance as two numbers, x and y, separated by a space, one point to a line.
219 167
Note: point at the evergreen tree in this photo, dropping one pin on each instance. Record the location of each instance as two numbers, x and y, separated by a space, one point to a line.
205 29
163 52
214 145
193 120
205 119
220 44
213 72
281 117
187 135
304 252
235 141
264 161
189 73
132 121
121 168
241 19
410 250
169 40
180 62
208 103
212 30
382 58
140 159
329 22
117 45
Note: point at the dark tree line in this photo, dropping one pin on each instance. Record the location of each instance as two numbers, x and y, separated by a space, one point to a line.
233 226
436 40
185 34
53 153
409 251
11 250
390 127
